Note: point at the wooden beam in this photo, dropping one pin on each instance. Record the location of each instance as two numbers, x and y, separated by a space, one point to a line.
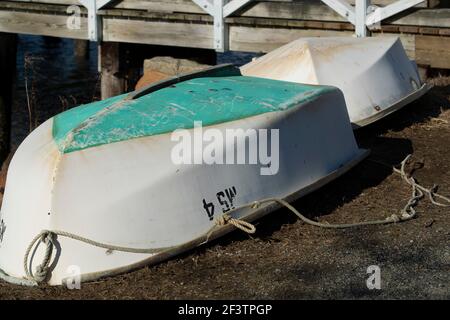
41 24
63 2
433 51
205 5
233 6
360 18
423 4
112 83
390 10
343 8
438 18
245 38
81 48
16 5
192 35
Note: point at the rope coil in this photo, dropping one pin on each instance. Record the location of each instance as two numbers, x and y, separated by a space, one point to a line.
41 272
418 191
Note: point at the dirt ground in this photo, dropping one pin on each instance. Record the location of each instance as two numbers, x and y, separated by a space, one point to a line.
287 259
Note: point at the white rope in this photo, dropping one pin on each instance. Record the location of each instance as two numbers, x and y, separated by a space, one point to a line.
408 212
47 237
238 223
418 190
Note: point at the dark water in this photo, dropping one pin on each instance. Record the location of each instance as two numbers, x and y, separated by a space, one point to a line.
57 80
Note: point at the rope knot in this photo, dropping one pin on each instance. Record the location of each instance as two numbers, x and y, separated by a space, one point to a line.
238 223
40 274
223 220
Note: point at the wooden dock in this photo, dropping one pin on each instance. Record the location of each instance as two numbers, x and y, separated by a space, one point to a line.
256 26
259 26
128 31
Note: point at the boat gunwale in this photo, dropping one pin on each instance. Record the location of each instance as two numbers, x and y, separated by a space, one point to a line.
399 104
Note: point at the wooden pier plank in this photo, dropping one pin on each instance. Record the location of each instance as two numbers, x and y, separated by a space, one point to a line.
159 33
41 24
243 38
433 51
260 26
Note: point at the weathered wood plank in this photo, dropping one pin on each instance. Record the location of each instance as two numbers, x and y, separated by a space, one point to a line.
60 2
244 38
187 6
159 32
424 4
307 10
41 24
433 51
254 29
35 7
439 18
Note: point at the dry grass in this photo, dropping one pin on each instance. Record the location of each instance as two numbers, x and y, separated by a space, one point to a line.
30 73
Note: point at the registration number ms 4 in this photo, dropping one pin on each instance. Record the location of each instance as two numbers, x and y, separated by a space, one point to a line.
224 202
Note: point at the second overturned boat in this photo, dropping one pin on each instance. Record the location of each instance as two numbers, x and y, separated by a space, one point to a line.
375 75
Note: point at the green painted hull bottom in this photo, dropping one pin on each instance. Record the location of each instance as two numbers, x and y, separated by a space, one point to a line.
212 100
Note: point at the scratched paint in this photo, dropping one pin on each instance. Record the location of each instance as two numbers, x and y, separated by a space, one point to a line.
212 100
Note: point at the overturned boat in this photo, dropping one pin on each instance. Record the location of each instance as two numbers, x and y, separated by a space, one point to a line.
114 185
375 74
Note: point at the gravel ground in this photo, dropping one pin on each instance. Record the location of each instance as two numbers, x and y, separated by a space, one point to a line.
287 259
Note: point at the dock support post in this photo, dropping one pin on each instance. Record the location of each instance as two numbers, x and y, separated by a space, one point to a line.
81 48
8 50
112 83
120 64
360 18
220 28
219 10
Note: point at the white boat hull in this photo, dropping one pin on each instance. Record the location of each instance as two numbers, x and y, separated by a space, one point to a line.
375 75
131 194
